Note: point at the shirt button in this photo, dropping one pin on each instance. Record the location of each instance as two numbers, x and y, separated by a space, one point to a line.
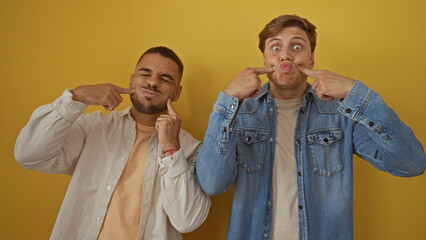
265 235
269 203
109 188
232 106
123 158
98 219
348 110
230 129
271 109
272 139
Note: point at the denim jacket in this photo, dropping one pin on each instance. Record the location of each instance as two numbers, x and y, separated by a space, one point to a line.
239 147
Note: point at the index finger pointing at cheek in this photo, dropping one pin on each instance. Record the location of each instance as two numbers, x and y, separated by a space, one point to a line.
125 90
170 108
309 72
263 70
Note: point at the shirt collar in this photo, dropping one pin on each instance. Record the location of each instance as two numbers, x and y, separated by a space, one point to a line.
126 112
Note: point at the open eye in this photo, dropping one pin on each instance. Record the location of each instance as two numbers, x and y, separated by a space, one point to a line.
276 48
297 47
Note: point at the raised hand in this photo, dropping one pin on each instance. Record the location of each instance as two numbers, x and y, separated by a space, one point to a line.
168 127
329 85
247 83
107 95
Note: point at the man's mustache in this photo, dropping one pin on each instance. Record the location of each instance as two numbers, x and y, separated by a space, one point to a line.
151 88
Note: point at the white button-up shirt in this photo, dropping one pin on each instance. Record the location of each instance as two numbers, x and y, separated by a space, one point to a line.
94 149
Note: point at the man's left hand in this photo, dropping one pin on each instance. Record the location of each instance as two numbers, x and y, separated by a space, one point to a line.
168 127
329 85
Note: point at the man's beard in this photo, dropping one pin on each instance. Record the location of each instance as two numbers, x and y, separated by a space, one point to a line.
152 109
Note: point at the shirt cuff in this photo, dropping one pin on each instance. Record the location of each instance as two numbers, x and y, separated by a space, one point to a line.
360 101
226 105
173 167
356 101
67 108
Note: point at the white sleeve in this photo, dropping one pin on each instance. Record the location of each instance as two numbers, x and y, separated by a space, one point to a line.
51 141
186 205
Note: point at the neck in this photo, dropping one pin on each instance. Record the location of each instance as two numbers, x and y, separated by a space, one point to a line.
143 118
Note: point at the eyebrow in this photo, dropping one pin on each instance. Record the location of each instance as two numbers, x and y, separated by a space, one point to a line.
279 39
162 74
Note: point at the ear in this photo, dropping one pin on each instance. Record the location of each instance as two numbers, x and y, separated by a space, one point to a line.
131 80
312 61
177 94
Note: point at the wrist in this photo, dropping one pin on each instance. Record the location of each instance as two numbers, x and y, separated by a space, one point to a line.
169 152
75 95
231 94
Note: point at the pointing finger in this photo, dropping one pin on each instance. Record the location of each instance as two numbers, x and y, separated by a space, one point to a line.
309 72
172 112
125 90
263 70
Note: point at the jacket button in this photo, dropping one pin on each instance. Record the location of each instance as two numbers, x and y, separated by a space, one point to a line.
302 111
224 129
248 138
298 141
348 110
299 173
326 140
300 207
371 124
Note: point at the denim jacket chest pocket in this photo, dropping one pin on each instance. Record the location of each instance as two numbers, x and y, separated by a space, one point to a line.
326 151
251 147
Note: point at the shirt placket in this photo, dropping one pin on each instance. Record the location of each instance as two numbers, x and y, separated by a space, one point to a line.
111 183
299 144
272 113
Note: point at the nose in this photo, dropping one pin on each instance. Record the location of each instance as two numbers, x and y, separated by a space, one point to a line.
154 79
286 54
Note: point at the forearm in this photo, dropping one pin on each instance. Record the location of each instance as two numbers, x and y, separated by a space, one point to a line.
186 205
40 141
380 136
216 166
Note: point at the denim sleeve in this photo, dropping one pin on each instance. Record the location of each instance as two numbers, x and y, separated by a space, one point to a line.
216 166
379 136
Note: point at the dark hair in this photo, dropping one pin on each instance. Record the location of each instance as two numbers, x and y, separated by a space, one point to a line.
279 23
165 52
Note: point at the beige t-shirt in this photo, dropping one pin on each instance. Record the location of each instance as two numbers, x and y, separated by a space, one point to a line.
284 181
122 218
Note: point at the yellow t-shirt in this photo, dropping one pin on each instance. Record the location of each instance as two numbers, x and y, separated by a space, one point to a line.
122 218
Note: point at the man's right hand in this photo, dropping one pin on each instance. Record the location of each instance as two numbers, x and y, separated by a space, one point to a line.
247 83
107 95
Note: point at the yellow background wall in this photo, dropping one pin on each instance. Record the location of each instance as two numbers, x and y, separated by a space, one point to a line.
47 46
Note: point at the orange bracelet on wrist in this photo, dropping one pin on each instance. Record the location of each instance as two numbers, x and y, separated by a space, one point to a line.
171 151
